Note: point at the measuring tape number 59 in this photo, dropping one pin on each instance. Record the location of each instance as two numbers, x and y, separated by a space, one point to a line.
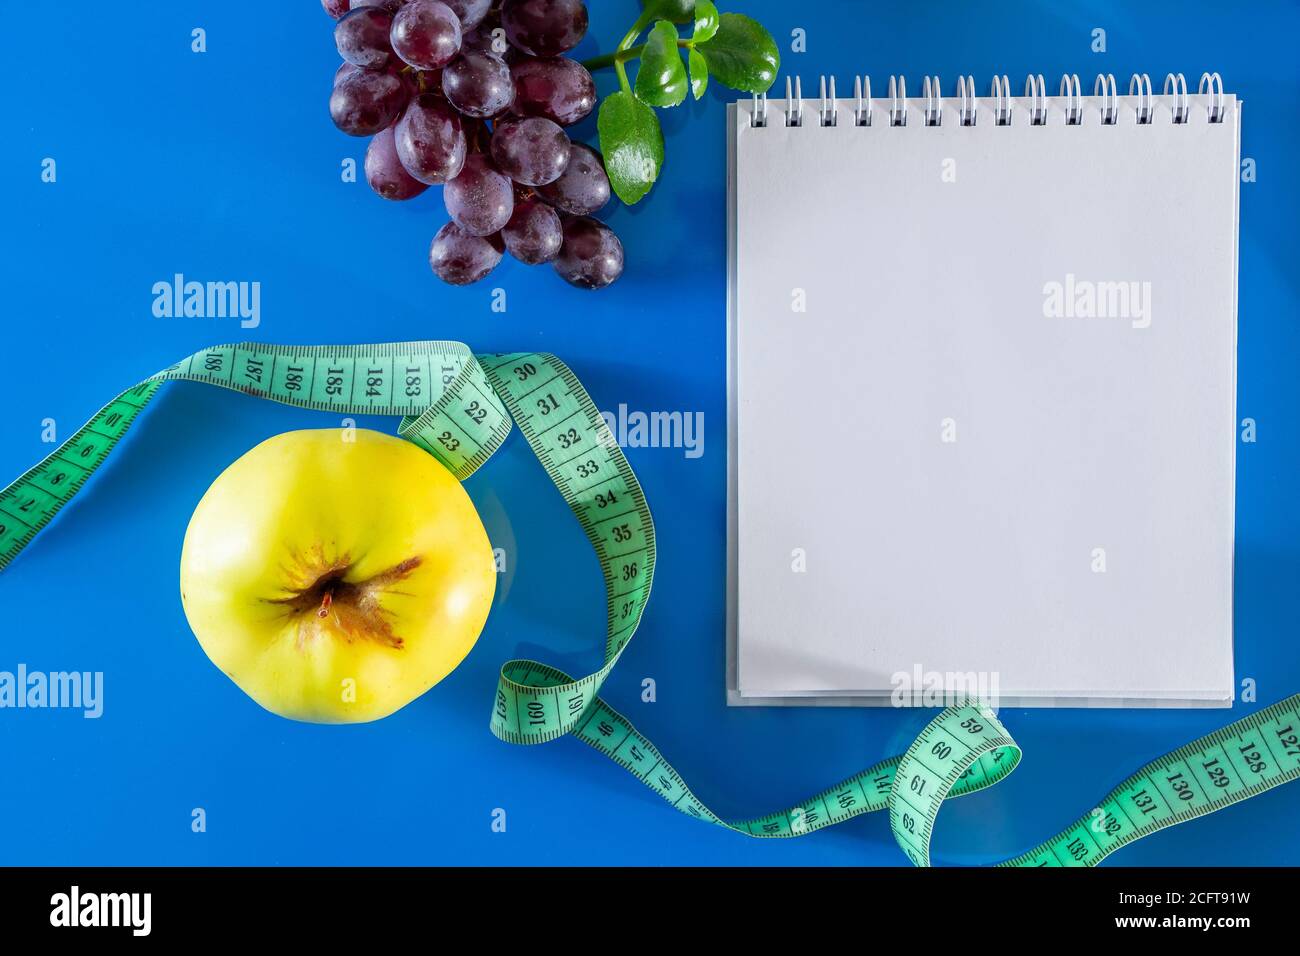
460 407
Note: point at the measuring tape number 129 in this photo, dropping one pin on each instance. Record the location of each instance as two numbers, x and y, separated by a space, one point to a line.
460 407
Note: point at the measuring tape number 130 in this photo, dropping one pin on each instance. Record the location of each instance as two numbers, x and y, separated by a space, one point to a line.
460 407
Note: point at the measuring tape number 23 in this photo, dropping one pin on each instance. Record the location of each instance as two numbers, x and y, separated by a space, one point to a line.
460 407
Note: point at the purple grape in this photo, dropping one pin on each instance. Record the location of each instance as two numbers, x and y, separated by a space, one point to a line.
531 151
430 140
469 12
458 258
366 101
478 84
544 27
479 41
390 6
559 89
397 68
335 8
385 172
345 69
479 200
584 187
362 38
426 34
592 256
534 233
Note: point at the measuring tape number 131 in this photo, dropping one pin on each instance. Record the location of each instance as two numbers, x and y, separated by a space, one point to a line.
460 407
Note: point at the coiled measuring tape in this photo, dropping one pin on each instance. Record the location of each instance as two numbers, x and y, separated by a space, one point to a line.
460 408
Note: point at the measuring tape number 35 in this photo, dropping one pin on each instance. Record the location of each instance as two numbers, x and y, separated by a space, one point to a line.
460 407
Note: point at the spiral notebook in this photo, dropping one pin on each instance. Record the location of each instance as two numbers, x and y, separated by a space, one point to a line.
982 386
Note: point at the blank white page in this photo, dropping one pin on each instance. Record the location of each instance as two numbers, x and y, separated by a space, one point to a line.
938 463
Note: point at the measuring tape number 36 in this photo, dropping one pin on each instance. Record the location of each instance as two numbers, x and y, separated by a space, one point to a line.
460 407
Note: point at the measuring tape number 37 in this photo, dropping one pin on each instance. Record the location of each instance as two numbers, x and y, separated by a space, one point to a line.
460 407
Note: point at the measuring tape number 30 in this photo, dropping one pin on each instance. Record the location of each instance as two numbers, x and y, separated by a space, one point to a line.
460 407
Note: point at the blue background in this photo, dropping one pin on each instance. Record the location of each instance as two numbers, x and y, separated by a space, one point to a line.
224 166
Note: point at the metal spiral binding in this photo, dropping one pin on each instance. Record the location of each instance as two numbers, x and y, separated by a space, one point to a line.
1140 86
1212 83
793 117
1001 100
933 101
1039 108
1073 95
1036 91
1176 86
1105 86
898 101
828 112
862 91
966 93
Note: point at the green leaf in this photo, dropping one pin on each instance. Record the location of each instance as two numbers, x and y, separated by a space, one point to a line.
633 145
706 21
678 11
661 77
699 73
742 54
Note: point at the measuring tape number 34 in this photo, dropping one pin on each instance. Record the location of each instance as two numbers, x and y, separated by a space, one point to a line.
460 407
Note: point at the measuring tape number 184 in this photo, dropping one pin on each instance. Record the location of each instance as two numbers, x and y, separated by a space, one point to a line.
460 407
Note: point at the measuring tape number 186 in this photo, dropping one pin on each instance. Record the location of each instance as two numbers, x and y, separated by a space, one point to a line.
460 407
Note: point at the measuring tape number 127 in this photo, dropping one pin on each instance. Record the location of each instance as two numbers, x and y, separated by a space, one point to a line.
460 407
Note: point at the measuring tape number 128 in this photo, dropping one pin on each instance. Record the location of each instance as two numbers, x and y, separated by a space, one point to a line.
460 407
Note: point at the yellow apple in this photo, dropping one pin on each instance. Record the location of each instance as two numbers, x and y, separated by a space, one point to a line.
336 575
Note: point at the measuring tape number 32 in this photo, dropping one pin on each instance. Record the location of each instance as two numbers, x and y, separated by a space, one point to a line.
460 407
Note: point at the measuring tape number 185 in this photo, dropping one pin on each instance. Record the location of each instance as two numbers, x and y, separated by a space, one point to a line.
460 407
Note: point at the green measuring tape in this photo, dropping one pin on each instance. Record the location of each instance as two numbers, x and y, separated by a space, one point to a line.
460 408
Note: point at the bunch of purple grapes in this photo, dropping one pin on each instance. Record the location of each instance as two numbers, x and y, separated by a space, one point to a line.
475 94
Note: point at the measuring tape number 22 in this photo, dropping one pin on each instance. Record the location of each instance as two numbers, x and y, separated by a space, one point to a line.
460 407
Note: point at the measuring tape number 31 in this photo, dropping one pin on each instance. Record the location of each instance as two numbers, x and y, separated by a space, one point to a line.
460 407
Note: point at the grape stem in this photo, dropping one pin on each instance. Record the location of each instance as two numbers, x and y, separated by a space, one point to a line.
619 57
642 22
627 49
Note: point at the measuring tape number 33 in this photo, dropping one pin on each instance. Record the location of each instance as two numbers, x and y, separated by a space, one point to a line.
460 407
